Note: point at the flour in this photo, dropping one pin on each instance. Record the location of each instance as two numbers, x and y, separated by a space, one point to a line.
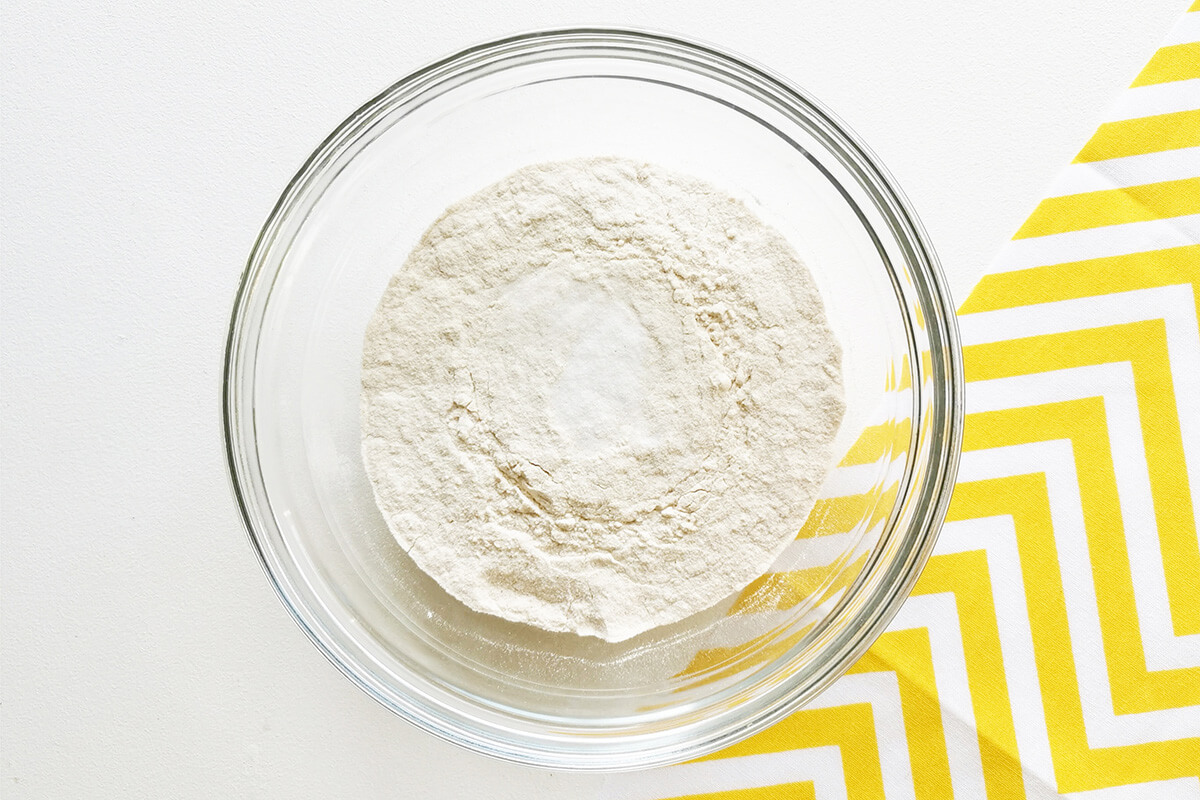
598 398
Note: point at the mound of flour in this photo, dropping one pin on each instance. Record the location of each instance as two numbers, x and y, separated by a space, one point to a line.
599 397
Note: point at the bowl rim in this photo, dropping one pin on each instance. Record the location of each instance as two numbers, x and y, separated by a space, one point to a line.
946 396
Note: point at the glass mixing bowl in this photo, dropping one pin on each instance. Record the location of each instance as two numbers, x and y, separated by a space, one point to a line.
291 399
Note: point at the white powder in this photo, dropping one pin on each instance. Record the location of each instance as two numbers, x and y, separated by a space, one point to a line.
599 397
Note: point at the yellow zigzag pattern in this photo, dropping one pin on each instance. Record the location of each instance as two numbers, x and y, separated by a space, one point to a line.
1024 498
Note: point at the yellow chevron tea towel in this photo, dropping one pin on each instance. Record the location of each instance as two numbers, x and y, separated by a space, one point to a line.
1052 644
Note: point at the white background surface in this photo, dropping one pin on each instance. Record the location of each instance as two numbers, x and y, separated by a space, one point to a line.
143 144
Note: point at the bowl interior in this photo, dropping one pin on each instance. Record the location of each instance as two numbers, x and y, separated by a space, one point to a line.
346 225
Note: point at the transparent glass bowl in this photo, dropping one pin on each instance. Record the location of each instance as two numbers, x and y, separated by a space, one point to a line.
291 399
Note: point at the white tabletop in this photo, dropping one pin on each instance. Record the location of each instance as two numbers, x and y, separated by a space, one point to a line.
143 144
